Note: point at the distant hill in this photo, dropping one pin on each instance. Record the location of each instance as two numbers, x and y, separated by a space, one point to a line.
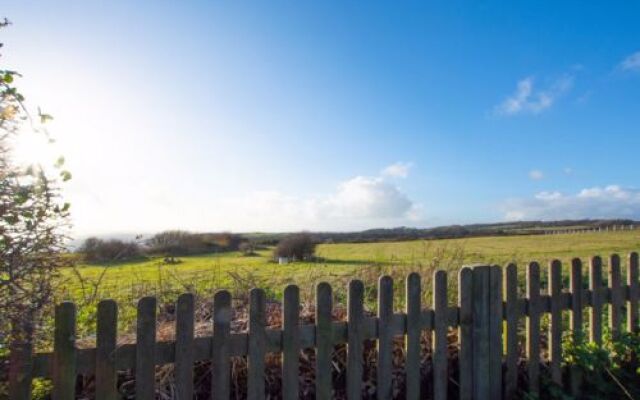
452 231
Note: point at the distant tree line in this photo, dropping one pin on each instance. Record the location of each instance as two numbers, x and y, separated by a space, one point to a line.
174 243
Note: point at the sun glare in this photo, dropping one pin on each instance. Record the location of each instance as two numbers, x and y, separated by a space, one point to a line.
33 148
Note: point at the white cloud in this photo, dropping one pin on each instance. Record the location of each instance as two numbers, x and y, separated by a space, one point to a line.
536 175
631 63
397 170
597 202
529 100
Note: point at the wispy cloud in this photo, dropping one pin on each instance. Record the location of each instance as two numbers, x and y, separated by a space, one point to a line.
397 170
597 202
631 63
536 175
527 99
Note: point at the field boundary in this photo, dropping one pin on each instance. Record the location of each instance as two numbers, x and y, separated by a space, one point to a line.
486 315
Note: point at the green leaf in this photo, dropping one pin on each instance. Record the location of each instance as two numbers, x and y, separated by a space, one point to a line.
8 77
65 175
59 162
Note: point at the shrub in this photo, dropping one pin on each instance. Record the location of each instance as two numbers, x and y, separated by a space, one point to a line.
96 250
247 249
183 243
299 246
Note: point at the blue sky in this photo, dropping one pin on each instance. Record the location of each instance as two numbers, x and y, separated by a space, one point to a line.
334 115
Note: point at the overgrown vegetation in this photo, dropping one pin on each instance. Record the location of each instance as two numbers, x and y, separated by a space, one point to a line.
296 247
95 250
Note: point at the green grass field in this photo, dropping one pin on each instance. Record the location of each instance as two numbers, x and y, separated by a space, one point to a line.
127 282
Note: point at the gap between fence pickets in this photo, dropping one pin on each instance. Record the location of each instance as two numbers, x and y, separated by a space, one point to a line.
165 351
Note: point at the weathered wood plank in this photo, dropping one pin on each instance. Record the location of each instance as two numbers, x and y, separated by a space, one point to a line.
440 372
465 333
257 345
634 293
512 313
533 327
290 343
495 332
64 352
617 299
355 310
597 300
221 346
481 345
22 366
106 340
184 347
145 349
555 327
575 321
413 309
324 341
385 338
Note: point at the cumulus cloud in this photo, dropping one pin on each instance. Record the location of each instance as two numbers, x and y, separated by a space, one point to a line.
528 100
597 202
631 63
536 175
397 170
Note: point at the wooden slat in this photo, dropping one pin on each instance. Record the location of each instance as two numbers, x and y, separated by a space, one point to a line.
595 284
21 367
617 299
577 290
290 343
145 349
533 327
257 345
511 336
495 332
465 333
106 340
555 327
634 293
64 352
412 339
355 310
220 346
184 347
440 373
481 346
385 338
324 341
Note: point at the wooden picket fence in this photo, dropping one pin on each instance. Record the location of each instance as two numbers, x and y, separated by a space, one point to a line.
486 316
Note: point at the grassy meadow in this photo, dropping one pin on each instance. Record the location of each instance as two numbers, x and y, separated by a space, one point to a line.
337 264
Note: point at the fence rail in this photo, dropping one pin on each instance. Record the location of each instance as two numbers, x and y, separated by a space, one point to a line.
486 315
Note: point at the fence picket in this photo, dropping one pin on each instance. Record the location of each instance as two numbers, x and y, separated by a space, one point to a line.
481 347
106 339
184 347
64 352
355 339
555 327
145 349
617 299
220 362
412 338
495 332
575 321
440 375
385 337
324 341
257 345
290 343
20 366
533 327
595 285
511 335
465 333
634 293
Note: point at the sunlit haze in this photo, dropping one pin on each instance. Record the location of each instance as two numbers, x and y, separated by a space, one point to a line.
340 116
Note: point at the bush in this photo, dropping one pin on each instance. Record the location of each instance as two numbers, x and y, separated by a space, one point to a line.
299 246
183 243
247 249
96 250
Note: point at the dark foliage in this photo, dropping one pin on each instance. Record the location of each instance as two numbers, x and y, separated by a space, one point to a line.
96 250
299 246
183 243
